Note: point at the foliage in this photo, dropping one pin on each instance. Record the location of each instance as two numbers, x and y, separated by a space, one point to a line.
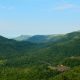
30 61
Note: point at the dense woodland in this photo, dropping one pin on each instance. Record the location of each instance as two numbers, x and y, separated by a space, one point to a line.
57 59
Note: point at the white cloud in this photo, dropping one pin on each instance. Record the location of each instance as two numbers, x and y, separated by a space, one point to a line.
64 7
67 6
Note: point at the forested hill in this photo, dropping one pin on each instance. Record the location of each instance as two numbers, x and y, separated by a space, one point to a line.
48 38
24 60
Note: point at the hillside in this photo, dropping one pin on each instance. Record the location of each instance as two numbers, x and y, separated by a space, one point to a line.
21 60
39 38
48 38
73 74
22 38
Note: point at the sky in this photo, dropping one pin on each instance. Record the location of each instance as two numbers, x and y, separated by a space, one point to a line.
37 17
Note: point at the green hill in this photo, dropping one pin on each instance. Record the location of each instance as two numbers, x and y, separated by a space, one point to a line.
49 38
73 74
23 60
39 38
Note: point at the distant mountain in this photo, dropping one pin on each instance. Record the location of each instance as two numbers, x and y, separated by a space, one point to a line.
70 37
39 38
45 38
48 38
22 38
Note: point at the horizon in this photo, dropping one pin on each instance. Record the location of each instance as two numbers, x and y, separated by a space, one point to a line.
38 17
11 37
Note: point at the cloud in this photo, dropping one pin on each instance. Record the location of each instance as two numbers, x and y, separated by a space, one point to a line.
67 6
64 7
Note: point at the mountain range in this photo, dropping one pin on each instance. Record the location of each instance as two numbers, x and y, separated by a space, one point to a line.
47 38
40 57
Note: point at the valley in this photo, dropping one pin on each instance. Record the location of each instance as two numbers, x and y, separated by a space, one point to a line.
52 57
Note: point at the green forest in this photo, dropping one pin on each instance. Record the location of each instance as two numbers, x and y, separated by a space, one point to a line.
56 58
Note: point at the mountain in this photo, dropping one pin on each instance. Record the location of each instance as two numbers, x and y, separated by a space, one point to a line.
24 60
11 47
22 38
48 38
45 38
39 38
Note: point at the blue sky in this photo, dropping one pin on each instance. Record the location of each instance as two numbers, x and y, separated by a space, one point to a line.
31 17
